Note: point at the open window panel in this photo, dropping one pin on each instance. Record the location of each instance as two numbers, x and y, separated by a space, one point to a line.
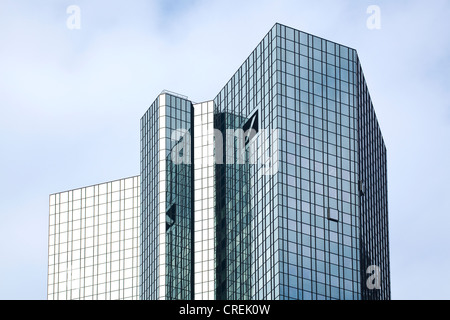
170 216
362 187
333 214
251 127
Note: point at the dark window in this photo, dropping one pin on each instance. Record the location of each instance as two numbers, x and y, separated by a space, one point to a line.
170 216
251 127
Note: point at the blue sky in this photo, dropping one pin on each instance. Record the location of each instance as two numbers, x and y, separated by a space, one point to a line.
71 101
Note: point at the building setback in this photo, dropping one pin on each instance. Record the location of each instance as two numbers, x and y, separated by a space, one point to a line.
94 242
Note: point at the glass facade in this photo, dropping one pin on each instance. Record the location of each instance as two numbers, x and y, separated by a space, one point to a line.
232 181
275 189
204 202
304 230
373 195
167 221
305 218
310 223
94 242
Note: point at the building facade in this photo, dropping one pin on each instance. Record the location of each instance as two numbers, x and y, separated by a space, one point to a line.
94 235
274 189
315 227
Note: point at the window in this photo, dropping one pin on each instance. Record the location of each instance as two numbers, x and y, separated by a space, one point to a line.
333 214
171 214
362 187
251 127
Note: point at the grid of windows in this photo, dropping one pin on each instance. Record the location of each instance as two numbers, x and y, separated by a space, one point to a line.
311 228
204 228
166 201
149 202
232 212
305 86
305 225
252 88
320 219
373 194
179 203
94 242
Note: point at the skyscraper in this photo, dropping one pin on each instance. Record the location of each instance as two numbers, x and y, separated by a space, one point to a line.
274 189
306 219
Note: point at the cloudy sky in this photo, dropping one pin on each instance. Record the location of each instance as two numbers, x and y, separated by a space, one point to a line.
71 100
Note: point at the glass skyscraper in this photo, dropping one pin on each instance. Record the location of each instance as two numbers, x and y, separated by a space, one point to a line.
274 189
314 227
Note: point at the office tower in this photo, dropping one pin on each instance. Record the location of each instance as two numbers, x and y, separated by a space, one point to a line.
94 242
293 208
274 189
